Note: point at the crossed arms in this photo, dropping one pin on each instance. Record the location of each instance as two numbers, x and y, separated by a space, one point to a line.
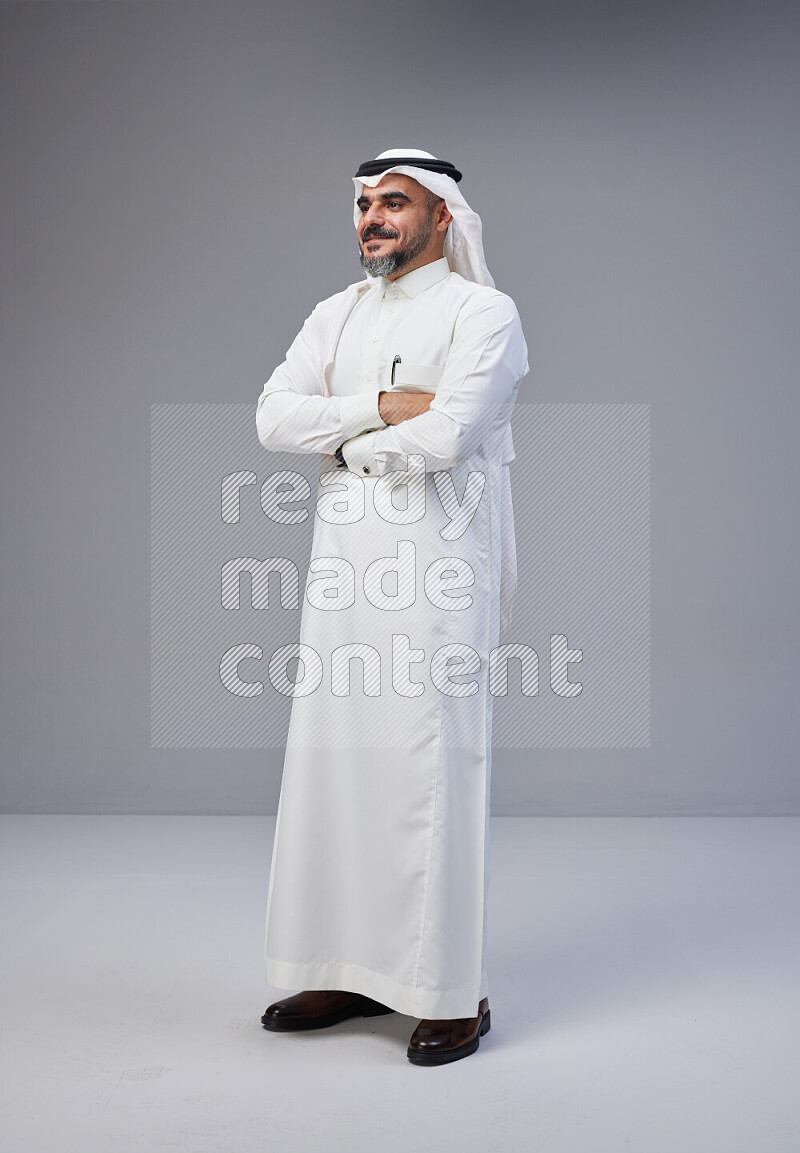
377 430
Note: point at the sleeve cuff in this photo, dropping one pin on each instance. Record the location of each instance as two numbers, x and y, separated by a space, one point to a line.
359 456
359 413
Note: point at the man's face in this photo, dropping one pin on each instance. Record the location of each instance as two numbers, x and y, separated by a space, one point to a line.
397 230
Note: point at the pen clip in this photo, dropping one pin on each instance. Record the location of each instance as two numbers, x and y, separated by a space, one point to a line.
395 362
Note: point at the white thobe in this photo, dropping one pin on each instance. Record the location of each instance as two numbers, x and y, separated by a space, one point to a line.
379 875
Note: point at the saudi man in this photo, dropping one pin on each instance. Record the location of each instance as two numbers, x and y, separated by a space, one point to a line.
403 385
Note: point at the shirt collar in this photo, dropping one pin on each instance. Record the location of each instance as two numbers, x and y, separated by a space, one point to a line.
416 281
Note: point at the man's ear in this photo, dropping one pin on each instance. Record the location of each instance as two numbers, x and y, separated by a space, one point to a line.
443 218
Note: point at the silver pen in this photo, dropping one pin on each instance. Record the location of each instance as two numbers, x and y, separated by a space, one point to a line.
395 362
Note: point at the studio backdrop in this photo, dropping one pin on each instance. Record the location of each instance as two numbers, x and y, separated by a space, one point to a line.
176 199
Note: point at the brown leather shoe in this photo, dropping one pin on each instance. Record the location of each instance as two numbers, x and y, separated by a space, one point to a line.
437 1042
318 1008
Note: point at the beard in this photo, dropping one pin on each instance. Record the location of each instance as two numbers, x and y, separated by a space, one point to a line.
394 261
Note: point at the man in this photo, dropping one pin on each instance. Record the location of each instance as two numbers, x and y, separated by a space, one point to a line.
404 383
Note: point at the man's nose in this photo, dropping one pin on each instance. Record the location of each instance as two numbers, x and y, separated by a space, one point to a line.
373 215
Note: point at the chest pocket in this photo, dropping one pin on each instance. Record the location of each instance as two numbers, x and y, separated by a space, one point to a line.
417 377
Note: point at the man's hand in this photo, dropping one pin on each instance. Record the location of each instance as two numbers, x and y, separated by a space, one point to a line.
395 407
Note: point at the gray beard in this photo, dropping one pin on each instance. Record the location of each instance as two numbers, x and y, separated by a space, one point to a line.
387 265
379 265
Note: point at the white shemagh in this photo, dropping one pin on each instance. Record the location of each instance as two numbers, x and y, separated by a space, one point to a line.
463 245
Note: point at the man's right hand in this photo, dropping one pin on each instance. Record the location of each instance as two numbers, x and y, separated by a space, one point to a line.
395 407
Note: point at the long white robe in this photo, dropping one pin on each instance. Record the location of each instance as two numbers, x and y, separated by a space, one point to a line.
380 864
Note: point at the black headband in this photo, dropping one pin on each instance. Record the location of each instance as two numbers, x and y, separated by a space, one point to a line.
374 167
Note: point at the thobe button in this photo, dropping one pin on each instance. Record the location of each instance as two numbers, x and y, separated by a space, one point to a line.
368 376
366 468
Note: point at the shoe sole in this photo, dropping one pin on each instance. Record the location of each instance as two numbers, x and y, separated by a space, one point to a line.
443 1058
287 1025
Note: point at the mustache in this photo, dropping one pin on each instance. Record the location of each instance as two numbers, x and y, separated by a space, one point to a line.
380 233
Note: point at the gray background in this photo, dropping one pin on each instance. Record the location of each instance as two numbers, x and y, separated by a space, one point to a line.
175 198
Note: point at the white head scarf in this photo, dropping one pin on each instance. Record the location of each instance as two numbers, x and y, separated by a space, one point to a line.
463 245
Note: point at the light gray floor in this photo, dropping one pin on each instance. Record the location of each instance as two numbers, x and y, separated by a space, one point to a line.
643 983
